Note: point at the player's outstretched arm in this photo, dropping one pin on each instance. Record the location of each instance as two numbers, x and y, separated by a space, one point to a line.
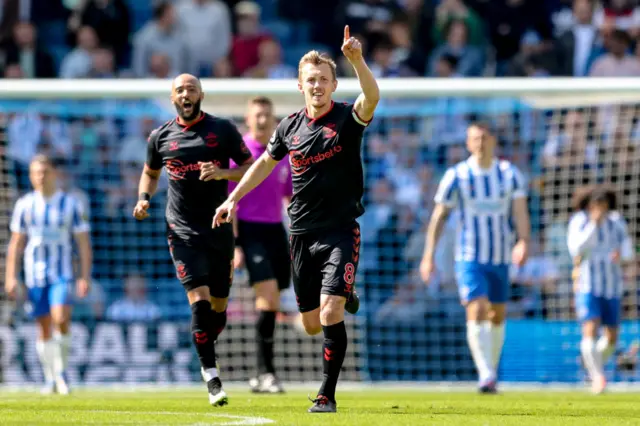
258 172
368 100
434 231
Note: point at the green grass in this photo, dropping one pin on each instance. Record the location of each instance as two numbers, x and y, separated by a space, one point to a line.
364 408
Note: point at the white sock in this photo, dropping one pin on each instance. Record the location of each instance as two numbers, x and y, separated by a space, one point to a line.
45 349
209 373
480 345
61 352
605 350
591 357
497 340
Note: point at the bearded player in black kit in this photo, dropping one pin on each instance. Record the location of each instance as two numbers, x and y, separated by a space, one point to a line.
195 149
323 142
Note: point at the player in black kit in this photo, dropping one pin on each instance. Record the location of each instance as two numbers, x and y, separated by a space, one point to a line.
195 149
323 142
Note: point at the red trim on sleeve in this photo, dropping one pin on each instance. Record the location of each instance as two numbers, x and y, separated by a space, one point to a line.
360 118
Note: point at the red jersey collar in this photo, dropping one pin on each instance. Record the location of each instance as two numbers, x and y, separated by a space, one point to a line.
180 123
306 113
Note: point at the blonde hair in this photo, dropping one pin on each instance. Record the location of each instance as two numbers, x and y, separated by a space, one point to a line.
316 58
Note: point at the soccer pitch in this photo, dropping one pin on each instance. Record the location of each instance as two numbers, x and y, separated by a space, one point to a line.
370 406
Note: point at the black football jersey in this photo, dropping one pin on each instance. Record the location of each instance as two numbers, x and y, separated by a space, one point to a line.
326 166
191 203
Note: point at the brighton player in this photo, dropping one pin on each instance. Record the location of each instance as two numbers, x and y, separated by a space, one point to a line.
323 142
262 242
600 246
44 225
195 149
489 194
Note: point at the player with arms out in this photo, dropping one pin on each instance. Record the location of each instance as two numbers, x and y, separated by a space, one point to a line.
44 225
195 149
488 193
261 241
600 246
323 142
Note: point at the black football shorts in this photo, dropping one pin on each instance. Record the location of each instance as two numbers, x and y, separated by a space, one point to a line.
203 264
324 262
266 252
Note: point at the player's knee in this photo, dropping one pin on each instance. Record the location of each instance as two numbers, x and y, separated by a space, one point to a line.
477 309
311 322
497 314
267 296
332 310
611 335
219 304
199 292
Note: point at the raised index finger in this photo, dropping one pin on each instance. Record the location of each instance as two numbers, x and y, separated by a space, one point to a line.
346 33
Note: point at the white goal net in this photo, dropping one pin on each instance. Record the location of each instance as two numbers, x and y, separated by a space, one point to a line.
562 133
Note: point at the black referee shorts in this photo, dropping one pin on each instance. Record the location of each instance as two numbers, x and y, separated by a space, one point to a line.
199 263
324 262
266 252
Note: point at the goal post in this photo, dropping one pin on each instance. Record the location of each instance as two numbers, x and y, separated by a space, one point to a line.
562 132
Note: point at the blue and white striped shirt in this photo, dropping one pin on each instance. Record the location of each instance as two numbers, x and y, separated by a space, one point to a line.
49 225
595 244
484 199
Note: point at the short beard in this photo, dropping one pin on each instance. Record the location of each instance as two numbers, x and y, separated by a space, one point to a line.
193 115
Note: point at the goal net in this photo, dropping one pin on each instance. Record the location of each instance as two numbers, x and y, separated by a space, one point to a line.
133 327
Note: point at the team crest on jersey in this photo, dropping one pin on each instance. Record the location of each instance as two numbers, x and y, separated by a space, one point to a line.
174 146
211 140
295 140
329 130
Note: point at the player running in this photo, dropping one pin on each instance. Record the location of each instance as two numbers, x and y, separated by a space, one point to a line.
600 246
262 243
323 142
488 193
195 149
45 223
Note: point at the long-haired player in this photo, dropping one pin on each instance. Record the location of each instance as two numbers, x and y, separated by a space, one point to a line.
600 245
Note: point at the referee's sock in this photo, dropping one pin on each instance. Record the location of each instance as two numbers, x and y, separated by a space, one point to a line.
203 337
265 328
219 321
333 352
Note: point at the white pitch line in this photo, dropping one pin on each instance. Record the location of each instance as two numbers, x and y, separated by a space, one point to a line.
236 420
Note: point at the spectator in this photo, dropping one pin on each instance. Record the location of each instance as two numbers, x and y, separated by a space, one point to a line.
111 20
133 148
103 65
270 64
455 10
365 17
244 51
159 66
13 71
508 21
161 35
134 306
618 14
419 15
578 47
34 61
618 62
206 25
405 52
383 64
470 61
78 63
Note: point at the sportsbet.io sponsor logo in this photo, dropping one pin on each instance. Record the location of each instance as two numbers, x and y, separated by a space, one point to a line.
177 170
300 163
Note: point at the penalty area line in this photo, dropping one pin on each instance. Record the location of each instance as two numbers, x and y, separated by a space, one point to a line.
229 419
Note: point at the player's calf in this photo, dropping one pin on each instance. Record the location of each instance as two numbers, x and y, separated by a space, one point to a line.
334 349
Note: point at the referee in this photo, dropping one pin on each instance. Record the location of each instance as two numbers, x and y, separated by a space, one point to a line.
261 241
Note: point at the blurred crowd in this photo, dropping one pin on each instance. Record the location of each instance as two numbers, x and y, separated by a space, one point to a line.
265 38
558 148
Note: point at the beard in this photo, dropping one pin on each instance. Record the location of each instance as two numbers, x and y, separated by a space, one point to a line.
195 111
